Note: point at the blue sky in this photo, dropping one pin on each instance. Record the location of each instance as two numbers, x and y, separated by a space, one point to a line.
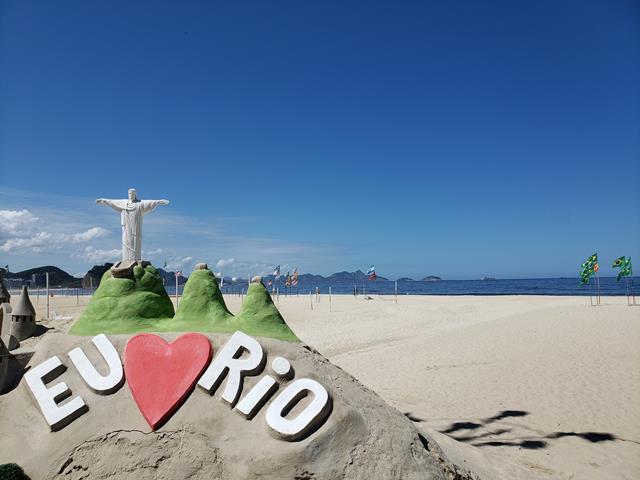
452 138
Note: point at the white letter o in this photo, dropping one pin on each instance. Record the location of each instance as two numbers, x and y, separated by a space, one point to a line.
306 421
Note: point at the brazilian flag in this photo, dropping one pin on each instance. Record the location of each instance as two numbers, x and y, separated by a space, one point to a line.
624 264
589 267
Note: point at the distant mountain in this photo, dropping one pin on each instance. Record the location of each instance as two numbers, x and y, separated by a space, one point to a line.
310 279
431 278
57 278
346 277
357 276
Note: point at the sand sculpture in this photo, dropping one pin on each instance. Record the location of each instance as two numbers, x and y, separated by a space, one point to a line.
223 428
4 362
6 311
139 303
5 306
23 317
5 296
244 399
131 296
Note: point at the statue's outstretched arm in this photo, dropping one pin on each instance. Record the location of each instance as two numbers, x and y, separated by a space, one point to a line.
149 205
117 205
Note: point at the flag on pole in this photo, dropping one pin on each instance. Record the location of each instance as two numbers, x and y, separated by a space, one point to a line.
276 272
288 282
372 273
589 267
624 264
294 280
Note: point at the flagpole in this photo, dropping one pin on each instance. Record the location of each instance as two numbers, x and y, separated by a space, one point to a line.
355 285
396 292
329 297
628 292
47 277
177 289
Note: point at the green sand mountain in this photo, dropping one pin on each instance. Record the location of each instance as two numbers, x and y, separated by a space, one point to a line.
122 305
202 307
259 316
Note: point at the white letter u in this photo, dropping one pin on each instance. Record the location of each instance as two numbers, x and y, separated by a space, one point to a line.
96 382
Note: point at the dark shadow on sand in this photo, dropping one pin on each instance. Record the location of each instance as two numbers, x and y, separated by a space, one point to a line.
16 370
528 444
593 437
41 330
412 417
532 443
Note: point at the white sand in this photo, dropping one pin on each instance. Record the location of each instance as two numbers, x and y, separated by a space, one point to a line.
568 369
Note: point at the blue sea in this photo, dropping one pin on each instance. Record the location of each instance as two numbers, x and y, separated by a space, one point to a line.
535 286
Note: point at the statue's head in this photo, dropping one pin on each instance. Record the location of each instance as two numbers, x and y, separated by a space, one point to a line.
132 195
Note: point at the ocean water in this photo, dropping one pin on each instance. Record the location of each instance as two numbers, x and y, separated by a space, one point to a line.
538 286
535 286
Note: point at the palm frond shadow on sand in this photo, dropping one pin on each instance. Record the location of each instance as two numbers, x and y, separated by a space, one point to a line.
482 433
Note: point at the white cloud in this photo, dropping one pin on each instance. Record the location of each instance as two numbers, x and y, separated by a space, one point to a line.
152 253
22 232
92 233
36 243
178 263
96 255
16 222
222 263
46 241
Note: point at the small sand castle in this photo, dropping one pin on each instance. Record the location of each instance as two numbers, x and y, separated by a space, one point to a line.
5 306
23 317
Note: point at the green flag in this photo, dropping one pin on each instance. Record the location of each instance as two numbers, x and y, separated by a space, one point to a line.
588 268
624 264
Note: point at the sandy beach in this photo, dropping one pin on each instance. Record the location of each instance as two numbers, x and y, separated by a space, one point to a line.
511 387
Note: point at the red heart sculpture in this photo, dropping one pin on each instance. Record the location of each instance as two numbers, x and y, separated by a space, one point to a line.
161 375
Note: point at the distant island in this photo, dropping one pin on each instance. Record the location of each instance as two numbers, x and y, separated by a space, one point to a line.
431 278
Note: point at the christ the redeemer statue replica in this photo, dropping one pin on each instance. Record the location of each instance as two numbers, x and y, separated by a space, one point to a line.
131 212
